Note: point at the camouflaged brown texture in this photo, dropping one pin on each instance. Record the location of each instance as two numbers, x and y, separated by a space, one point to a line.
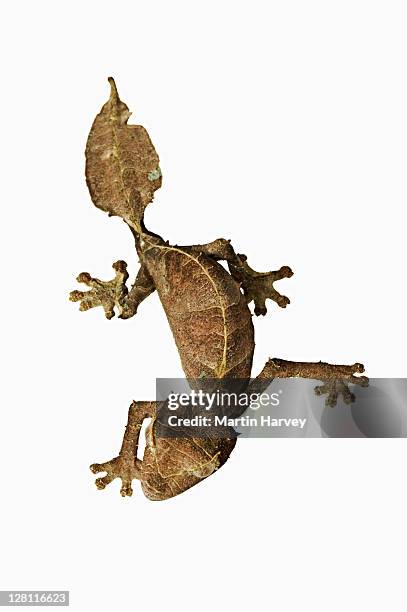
169 466
122 166
335 377
280 368
172 465
207 312
206 308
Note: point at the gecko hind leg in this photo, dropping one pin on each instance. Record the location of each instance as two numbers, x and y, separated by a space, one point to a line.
114 293
126 465
257 286
335 378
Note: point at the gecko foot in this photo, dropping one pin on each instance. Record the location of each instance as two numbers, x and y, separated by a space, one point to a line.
337 383
119 467
334 388
259 286
107 294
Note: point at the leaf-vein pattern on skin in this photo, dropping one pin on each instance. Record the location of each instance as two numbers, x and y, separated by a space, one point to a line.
222 366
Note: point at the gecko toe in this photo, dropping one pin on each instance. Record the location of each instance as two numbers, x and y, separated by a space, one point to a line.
126 490
119 467
101 483
97 467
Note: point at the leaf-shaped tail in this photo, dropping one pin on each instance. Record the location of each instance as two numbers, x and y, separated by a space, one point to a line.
122 166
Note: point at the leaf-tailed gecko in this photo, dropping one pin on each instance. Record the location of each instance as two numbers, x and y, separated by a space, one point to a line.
206 306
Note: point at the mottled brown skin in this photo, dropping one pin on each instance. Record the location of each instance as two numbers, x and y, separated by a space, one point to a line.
206 307
207 312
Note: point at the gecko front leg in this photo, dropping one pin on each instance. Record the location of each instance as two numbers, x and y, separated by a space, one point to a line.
335 378
257 286
114 293
126 466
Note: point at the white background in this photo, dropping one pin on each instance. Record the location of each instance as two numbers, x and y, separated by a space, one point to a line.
280 125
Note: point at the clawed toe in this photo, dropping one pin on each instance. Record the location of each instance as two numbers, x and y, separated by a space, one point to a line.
118 467
101 483
126 490
99 467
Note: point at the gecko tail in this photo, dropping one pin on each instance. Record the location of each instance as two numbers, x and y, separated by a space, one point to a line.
122 165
